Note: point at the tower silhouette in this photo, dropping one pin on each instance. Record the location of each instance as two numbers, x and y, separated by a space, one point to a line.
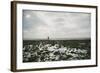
48 38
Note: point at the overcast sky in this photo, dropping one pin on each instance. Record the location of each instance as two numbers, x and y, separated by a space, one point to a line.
56 25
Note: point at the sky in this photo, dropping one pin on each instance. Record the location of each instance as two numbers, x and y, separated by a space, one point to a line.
56 25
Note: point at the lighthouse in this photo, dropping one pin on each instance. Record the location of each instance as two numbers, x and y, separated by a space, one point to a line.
48 38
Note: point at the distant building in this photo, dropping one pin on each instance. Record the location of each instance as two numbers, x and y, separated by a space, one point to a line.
48 38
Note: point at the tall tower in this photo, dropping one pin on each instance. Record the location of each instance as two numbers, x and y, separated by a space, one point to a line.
48 38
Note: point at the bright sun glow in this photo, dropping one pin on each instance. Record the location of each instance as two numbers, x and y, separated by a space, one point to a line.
28 16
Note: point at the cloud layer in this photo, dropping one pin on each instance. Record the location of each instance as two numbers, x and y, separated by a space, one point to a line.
56 25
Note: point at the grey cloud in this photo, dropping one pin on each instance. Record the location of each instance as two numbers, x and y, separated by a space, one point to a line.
34 21
56 24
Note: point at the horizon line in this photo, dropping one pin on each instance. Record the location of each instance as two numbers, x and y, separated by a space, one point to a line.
60 39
